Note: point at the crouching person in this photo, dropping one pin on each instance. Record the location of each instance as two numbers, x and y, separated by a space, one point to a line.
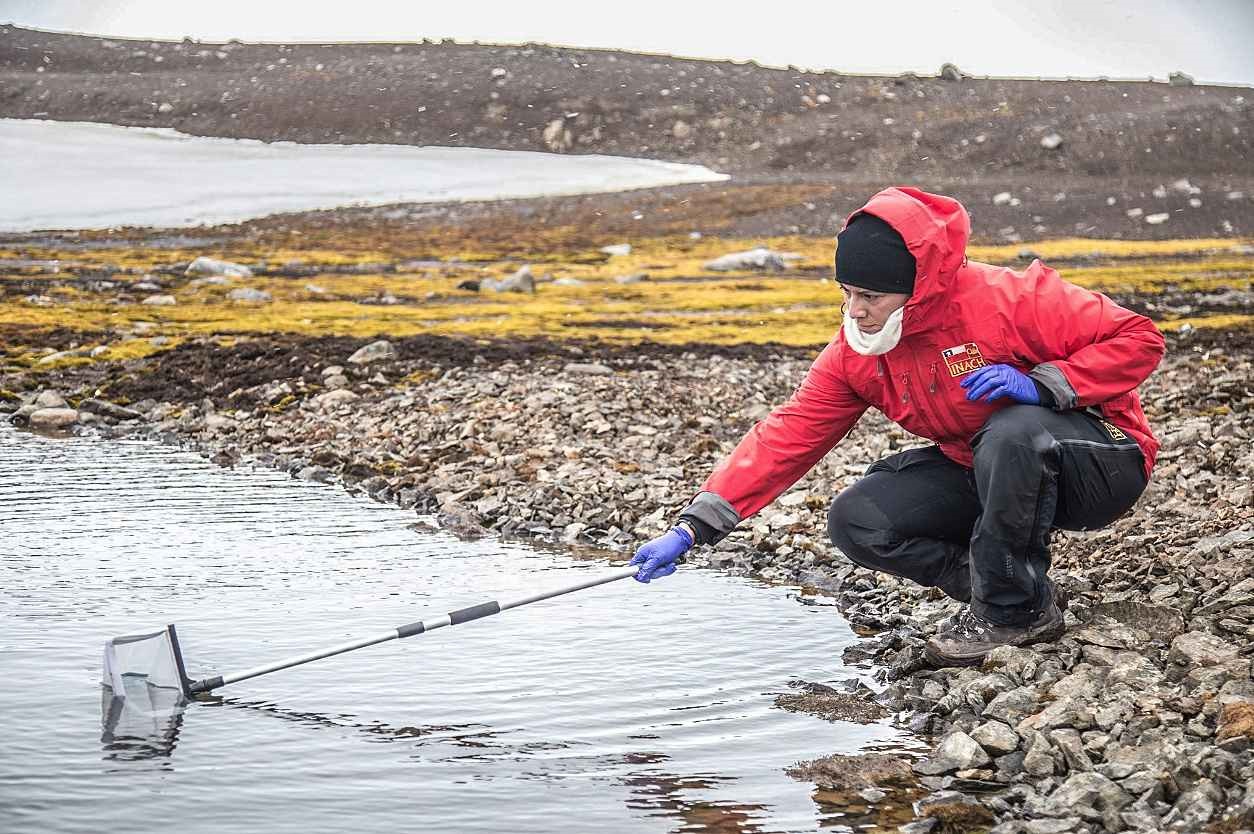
1025 384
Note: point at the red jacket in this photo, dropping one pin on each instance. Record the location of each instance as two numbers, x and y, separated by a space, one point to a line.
1081 346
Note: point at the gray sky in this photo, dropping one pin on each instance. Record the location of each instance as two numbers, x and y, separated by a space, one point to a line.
1209 39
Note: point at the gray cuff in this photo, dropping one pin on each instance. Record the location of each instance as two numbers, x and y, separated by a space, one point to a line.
714 512
1056 383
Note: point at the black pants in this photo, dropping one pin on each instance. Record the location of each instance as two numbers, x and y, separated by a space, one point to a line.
982 534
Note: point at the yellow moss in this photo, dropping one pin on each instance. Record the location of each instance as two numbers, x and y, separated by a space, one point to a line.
680 302
1225 322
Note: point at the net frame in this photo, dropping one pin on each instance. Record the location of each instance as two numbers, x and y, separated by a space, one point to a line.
154 657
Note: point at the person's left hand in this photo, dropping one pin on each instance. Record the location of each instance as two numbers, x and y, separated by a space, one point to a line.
993 382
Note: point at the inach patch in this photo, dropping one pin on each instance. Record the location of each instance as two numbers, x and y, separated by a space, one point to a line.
1114 431
963 358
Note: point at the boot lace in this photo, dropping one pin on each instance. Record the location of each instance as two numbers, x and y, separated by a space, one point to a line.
970 625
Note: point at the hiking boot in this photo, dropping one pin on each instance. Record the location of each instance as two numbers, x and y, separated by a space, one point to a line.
969 640
1061 599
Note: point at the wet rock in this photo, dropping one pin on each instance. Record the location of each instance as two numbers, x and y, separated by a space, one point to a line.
319 474
461 521
760 258
956 813
52 419
159 301
203 266
107 409
957 751
248 294
373 352
854 773
832 705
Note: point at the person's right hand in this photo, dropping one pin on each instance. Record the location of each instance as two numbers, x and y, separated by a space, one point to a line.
657 557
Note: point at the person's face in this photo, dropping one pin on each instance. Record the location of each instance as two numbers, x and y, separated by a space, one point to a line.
869 309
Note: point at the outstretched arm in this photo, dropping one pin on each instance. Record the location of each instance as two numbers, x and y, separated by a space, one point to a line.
778 450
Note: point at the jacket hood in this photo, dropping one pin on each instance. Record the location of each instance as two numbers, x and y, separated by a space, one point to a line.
935 229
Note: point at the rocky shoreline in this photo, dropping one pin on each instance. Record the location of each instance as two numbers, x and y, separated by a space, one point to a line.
1140 718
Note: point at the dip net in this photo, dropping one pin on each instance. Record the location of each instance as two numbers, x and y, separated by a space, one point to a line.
137 664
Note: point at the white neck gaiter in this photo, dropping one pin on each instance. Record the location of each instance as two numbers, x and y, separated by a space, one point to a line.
873 344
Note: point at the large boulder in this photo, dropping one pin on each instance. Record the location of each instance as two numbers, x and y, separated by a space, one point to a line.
53 419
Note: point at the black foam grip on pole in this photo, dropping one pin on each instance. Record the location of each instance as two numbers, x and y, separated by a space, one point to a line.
474 612
410 630
206 685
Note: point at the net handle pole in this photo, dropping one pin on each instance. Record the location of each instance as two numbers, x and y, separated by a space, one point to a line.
463 615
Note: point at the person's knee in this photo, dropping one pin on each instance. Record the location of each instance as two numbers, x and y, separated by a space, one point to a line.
1018 425
849 519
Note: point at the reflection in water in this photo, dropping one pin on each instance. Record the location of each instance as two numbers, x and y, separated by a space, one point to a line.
141 725
665 793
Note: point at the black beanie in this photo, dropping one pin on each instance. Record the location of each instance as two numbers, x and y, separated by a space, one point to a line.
872 256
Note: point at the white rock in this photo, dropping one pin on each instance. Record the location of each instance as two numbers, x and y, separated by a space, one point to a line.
521 281
248 294
568 282
332 370
159 301
373 352
1155 219
331 399
1195 202
1185 187
792 499
1134 213
219 423
499 72
1160 192
591 368
759 258
209 280
1051 141
617 249
210 266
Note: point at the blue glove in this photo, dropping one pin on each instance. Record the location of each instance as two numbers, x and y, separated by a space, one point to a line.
993 382
658 556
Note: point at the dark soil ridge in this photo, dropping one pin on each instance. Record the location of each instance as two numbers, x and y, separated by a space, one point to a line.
739 117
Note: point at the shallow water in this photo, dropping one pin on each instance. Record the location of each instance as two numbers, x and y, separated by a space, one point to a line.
620 708
80 175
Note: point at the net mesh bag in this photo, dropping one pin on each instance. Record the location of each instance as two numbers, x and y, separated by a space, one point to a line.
138 662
